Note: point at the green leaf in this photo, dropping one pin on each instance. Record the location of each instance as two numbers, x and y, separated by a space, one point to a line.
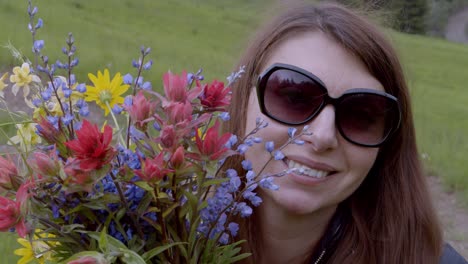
112 243
147 256
170 209
103 241
214 182
144 185
130 256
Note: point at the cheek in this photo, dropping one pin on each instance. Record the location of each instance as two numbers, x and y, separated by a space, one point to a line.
360 160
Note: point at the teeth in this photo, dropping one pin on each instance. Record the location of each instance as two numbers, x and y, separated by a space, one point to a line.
304 170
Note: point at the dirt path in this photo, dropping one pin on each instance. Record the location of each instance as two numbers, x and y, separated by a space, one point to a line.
457 25
454 218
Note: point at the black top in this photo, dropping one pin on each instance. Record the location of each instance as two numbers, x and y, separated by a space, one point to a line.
335 231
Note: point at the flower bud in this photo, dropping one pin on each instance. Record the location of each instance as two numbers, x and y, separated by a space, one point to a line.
178 157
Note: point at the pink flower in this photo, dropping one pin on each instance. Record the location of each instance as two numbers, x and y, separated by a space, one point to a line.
10 211
176 88
46 164
89 260
215 95
92 148
179 112
140 110
178 157
79 179
212 145
168 136
8 173
153 169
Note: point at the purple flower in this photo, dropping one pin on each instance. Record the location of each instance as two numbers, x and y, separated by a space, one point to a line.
299 142
40 23
270 146
117 109
38 45
146 86
267 183
244 210
246 165
242 148
148 65
225 116
81 88
291 132
278 155
127 78
233 228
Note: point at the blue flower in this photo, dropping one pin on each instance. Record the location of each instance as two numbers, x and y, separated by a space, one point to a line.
269 146
242 148
291 132
225 116
278 155
148 65
267 183
40 23
81 88
117 109
146 86
244 210
128 79
246 165
233 228
299 142
38 45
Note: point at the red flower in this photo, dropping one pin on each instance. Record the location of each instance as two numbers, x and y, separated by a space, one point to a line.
10 211
92 148
215 95
212 145
46 164
168 136
176 88
179 112
140 110
153 169
178 157
8 173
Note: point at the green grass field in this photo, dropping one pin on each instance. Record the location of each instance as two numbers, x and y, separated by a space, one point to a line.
189 34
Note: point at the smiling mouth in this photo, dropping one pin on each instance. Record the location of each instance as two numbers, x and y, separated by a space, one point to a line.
301 169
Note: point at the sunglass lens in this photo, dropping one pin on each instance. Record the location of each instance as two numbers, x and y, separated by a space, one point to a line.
291 97
367 119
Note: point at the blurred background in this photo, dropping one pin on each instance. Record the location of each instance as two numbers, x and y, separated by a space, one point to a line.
430 35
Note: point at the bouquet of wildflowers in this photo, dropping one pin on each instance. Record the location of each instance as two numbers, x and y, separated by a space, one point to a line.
145 185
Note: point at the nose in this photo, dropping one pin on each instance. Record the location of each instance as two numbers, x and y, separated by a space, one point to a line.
324 134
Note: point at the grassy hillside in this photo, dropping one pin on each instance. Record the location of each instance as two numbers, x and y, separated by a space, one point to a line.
437 74
189 34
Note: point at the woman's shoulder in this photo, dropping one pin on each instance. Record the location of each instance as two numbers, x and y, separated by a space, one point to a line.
451 256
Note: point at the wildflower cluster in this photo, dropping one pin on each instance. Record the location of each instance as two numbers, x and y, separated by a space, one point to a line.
150 189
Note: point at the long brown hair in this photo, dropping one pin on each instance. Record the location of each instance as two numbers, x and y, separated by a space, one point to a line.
392 218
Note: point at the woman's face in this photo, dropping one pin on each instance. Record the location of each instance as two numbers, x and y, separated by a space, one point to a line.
326 151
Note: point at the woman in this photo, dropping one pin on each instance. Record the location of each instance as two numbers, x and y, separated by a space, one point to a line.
356 192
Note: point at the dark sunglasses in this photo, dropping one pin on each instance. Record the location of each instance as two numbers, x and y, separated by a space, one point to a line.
294 96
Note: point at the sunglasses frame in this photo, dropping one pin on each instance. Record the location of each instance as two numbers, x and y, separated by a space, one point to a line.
261 87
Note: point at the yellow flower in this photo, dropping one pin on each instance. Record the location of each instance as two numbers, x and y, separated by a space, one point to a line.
36 251
25 136
2 84
106 93
22 78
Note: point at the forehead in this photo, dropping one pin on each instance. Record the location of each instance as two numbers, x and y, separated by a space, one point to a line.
317 53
